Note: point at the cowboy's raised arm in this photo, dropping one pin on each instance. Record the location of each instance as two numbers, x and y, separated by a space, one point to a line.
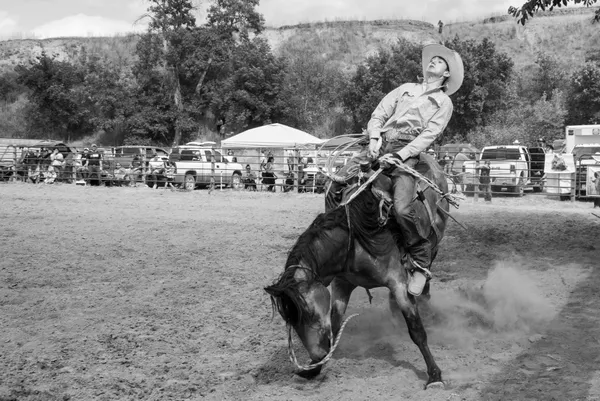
383 112
434 128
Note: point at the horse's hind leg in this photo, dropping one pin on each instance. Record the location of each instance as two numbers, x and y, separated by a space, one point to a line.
340 296
400 298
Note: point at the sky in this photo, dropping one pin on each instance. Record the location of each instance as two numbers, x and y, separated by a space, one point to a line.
59 18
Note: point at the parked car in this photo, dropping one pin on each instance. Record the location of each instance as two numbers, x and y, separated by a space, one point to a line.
125 154
194 167
509 167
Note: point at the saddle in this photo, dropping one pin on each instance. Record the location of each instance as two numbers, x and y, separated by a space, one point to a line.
425 200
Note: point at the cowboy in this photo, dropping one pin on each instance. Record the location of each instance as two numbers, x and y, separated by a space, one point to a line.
405 123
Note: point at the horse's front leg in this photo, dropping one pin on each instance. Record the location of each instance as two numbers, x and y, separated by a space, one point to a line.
340 296
400 298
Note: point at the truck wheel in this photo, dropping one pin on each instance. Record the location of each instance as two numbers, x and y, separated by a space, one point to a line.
236 182
190 182
518 189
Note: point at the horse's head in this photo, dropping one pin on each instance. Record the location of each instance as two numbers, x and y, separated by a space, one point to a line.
303 301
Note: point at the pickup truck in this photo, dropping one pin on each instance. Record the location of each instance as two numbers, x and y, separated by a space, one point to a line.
509 168
193 167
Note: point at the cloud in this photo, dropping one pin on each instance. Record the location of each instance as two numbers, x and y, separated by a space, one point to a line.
7 23
85 25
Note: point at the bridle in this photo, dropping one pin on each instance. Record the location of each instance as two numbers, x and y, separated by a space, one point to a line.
327 357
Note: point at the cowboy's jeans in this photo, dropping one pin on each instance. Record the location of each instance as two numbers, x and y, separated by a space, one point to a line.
412 225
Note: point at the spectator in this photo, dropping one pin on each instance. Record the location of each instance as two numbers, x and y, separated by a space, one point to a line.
447 163
34 173
135 170
289 182
11 171
301 178
28 162
440 26
249 179
169 175
431 153
485 181
121 175
55 168
82 169
263 161
290 160
596 181
94 165
457 164
269 177
157 169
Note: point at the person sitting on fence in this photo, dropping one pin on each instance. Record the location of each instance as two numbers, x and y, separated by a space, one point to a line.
269 177
157 170
135 170
120 175
249 179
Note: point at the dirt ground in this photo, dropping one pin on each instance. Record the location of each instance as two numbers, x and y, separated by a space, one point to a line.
133 293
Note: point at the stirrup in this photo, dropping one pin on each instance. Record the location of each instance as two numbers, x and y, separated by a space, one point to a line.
417 278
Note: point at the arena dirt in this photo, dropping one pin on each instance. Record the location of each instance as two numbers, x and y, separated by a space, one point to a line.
133 293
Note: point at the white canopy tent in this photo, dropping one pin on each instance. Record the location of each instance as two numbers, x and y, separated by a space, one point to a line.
271 136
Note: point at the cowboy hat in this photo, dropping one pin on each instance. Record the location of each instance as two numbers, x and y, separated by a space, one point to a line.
453 60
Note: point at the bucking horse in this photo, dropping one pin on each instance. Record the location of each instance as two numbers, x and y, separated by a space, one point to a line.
354 245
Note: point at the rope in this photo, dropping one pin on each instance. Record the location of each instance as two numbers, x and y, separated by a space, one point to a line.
329 354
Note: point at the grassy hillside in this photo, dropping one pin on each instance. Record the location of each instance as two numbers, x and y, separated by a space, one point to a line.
567 33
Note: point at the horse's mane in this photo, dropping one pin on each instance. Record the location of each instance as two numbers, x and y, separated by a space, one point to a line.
362 215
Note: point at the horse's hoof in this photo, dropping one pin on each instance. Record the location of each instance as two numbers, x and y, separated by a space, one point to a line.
435 384
309 374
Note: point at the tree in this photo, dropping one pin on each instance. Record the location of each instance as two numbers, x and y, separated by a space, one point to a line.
530 7
545 76
170 19
250 96
523 121
236 17
57 107
312 88
484 88
583 100
378 76
487 77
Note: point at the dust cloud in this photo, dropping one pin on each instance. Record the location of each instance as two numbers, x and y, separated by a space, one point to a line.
509 302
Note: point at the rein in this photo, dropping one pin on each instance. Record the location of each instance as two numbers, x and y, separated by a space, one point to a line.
326 358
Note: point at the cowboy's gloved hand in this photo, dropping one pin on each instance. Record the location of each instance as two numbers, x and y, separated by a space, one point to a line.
389 160
374 146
